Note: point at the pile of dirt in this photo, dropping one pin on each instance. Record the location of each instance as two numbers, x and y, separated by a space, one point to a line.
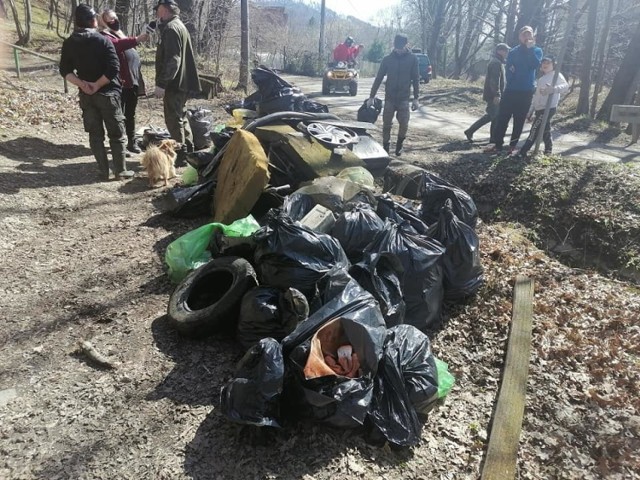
84 261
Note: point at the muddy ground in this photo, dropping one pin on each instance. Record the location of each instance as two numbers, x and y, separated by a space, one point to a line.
84 261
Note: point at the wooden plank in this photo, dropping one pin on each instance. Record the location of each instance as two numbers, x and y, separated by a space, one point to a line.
502 453
625 113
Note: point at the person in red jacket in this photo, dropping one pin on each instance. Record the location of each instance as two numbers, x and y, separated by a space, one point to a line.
130 73
347 52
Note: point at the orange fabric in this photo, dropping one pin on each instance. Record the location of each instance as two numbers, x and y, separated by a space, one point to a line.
324 358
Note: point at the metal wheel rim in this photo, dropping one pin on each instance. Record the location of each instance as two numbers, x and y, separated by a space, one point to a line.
330 134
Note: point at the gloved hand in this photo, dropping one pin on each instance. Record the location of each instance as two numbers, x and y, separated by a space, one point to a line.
415 105
370 102
159 92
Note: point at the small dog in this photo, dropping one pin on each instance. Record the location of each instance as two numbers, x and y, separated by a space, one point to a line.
159 160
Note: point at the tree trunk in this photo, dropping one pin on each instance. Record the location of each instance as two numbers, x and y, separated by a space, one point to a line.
16 19
585 75
27 22
511 23
438 37
624 78
122 8
243 80
601 60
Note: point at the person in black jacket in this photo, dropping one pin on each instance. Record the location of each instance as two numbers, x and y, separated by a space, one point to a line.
401 69
493 88
90 62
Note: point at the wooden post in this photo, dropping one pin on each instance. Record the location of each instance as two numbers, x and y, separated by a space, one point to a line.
16 56
502 453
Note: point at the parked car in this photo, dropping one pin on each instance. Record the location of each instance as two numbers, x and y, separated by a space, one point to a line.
424 66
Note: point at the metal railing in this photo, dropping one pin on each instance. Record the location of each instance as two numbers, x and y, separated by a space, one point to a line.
16 56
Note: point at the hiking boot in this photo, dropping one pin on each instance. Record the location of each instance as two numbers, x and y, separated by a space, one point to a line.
133 147
181 158
386 147
469 135
492 149
125 175
399 148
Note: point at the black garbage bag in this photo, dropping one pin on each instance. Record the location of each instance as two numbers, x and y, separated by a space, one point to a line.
289 254
333 193
381 275
406 385
251 397
269 83
463 273
311 391
403 215
310 106
436 191
422 280
355 228
190 202
370 114
153 136
200 120
221 138
270 312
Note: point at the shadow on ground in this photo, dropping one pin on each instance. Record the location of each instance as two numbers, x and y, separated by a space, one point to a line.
35 150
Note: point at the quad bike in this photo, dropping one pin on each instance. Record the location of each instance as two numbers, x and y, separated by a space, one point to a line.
340 76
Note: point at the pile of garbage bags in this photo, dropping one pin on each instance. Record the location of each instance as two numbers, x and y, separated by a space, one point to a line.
331 286
334 319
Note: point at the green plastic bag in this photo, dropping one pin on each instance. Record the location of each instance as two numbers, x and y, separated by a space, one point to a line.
190 250
445 379
189 176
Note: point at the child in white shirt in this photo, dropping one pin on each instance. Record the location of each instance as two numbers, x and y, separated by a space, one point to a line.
539 103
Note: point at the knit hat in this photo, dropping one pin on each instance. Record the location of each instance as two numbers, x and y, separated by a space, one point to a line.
400 41
84 14
549 58
168 3
526 28
503 46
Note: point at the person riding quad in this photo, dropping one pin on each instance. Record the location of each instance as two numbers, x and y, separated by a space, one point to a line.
347 51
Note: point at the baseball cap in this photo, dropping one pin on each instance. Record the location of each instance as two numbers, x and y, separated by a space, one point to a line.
170 3
526 28
502 46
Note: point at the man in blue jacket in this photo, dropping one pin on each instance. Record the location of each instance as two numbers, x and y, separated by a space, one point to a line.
523 62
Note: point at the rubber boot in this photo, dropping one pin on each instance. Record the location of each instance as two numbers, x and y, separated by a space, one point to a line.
399 148
386 147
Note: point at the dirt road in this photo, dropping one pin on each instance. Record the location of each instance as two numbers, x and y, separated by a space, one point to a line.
446 123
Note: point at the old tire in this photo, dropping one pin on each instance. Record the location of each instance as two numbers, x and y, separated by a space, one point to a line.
207 301
353 89
326 88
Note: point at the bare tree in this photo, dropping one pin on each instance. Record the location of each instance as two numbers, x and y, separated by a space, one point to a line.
587 55
243 80
24 33
601 59
624 79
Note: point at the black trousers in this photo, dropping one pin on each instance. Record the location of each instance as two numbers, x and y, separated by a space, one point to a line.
129 105
513 104
535 128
